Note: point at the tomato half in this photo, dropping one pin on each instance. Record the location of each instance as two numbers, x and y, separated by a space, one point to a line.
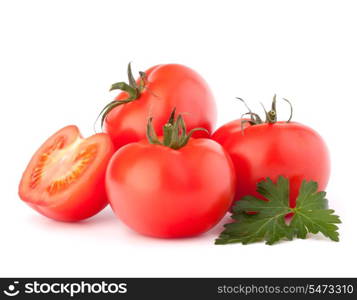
65 177
168 193
272 149
166 87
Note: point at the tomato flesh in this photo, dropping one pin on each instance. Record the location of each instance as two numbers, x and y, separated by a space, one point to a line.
65 178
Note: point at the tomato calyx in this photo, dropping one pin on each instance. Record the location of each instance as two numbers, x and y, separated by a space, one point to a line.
270 116
175 133
133 90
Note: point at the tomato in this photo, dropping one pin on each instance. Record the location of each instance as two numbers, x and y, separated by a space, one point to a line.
171 192
155 94
272 149
65 178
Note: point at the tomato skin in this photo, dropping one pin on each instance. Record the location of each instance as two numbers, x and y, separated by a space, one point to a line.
269 150
168 86
83 198
166 193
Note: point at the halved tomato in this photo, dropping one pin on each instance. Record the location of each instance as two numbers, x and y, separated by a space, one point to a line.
65 178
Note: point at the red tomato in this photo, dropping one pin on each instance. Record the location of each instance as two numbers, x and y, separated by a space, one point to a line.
164 192
167 86
272 149
65 178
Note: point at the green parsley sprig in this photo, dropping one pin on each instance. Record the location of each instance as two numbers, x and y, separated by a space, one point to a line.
256 220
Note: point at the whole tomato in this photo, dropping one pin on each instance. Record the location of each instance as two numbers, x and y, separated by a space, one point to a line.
269 149
157 91
171 187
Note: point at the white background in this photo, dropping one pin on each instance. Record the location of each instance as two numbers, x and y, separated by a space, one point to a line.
57 60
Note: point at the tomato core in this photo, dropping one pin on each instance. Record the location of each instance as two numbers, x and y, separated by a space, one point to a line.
60 165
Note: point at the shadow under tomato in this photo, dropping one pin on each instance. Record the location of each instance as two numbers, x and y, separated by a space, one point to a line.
114 227
106 216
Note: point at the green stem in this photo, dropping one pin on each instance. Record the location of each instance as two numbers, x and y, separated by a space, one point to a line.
270 116
132 89
174 131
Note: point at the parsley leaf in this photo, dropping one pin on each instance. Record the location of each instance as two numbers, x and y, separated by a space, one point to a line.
257 220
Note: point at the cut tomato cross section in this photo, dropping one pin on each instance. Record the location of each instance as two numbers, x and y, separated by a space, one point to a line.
65 178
